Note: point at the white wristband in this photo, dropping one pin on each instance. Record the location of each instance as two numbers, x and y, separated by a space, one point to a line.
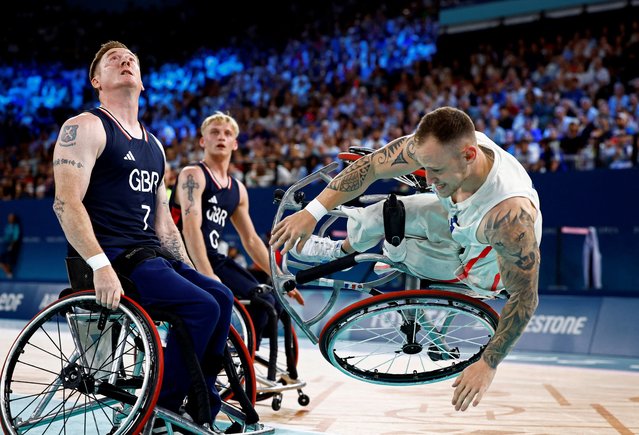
98 261
316 209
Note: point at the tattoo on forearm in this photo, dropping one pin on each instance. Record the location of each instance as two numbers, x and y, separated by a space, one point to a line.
68 135
512 235
352 178
58 162
58 208
173 244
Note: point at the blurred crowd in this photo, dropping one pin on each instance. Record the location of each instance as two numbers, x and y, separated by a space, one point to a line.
563 100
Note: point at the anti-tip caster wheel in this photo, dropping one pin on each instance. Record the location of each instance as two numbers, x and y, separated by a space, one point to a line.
303 399
276 404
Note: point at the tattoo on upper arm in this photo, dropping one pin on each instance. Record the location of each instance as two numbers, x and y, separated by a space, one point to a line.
189 186
512 235
68 135
58 162
352 178
410 149
386 154
58 208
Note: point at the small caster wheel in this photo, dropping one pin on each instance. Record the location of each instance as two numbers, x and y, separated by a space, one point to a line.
276 404
303 400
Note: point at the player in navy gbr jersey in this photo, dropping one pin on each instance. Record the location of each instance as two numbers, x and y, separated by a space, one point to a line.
206 198
111 202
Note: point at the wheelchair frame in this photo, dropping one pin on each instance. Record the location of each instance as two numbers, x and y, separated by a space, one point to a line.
449 344
273 377
119 393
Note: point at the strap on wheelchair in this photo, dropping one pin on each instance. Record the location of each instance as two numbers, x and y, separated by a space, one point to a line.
81 275
130 258
394 228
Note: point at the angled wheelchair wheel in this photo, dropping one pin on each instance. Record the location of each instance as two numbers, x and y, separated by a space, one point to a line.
241 321
242 366
408 337
77 368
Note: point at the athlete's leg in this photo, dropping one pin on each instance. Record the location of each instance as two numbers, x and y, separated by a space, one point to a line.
213 354
244 286
159 286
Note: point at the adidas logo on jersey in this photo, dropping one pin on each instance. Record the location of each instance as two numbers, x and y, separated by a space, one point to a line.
213 200
129 156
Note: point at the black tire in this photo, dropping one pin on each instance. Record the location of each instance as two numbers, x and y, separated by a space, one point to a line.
243 366
408 338
85 367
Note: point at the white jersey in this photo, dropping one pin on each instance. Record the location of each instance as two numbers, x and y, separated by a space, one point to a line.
441 236
506 179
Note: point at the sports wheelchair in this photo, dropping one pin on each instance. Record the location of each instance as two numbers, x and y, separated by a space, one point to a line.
426 333
275 362
78 367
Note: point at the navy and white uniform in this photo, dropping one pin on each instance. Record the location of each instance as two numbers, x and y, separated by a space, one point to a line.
121 201
219 201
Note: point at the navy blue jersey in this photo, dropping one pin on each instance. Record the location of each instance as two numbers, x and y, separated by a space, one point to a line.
122 193
218 205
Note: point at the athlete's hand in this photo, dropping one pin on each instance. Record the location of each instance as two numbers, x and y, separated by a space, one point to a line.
295 294
299 225
471 385
108 288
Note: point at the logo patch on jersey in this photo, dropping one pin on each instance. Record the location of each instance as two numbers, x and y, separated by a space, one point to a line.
213 200
453 222
129 156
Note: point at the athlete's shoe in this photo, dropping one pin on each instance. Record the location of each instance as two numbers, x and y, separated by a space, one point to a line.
319 250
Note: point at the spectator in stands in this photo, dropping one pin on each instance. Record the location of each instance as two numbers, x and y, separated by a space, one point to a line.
572 143
10 245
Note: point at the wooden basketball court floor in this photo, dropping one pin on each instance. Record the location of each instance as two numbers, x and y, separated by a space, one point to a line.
560 395
556 397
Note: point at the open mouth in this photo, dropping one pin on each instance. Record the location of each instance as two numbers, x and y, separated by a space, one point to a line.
126 72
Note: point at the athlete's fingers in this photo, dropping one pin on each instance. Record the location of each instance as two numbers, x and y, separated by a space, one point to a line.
480 395
468 399
458 380
460 394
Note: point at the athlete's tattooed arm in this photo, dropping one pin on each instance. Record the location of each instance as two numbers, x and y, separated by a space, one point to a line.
191 185
81 141
166 230
394 159
188 187
69 162
509 229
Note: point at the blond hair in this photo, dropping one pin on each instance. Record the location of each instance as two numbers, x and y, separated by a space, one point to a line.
220 117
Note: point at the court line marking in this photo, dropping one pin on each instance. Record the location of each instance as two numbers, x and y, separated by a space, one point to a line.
611 419
556 395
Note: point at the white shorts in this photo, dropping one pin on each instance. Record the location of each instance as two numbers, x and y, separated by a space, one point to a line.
431 252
